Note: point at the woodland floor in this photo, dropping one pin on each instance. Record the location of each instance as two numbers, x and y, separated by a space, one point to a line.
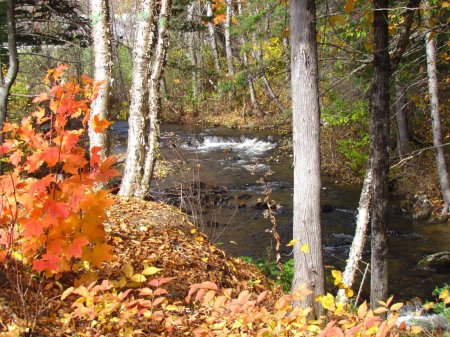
141 232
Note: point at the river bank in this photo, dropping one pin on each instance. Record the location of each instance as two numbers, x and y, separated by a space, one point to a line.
214 176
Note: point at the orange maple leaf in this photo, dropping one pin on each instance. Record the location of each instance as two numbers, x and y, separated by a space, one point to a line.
99 254
75 249
100 124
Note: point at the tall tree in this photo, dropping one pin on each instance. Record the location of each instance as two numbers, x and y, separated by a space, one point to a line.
306 133
13 64
435 118
137 135
379 153
101 36
157 72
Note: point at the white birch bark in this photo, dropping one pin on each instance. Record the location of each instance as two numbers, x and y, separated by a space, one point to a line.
306 137
435 117
101 36
357 247
157 72
137 131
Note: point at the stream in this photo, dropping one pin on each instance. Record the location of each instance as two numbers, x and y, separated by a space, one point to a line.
229 164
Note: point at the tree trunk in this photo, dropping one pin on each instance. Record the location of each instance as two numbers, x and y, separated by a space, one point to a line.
435 118
155 99
379 155
228 48
362 222
13 66
137 126
251 86
212 37
306 127
101 36
404 143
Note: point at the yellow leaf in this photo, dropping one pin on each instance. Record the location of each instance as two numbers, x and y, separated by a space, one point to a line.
444 294
118 239
193 230
362 310
380 310
291 243
304 248
66 293
200 238
396 306
204 259
150 271
327 301
337 275
138 278
128 270
349 292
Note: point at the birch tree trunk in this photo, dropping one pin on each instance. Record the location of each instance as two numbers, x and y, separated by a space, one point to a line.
212 37
251 86
306 127
13 66
435 118
101 36
404 143
155 98
379 155
362 222
137 126
228 48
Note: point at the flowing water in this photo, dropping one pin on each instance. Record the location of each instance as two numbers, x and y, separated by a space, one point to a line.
230 165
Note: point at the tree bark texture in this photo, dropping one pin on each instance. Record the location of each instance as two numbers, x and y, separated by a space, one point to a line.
357 247
137 121
155 98
306 137
404 142
101 35
435 118
379 155
13 66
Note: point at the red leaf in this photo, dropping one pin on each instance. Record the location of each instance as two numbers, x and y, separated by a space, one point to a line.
75 249
50 156
33 227
47 262
57 209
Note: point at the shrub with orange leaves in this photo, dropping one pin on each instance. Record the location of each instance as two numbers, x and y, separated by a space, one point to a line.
51 214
